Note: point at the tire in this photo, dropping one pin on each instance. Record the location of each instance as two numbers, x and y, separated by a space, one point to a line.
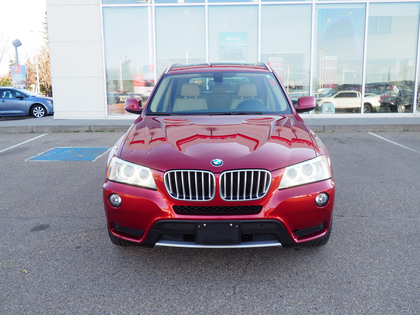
367 108
118 241
324 240
38 111
315 243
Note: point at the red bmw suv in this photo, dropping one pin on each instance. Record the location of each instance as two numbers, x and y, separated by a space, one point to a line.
219 157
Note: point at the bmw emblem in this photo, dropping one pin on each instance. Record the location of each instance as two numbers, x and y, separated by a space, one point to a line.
217 162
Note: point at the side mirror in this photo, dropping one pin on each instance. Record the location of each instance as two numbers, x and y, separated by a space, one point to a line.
133 106
305 104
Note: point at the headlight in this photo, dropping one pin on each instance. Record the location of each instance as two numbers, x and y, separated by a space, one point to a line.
129 173
306 172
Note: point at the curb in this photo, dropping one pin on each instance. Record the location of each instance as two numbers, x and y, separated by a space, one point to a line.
123 128
365 128
63 129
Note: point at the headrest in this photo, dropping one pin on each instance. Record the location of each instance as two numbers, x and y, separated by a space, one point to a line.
190 90
247 90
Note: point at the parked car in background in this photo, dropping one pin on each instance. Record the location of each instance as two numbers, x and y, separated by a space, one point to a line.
14 102
229 164
351 101
398 100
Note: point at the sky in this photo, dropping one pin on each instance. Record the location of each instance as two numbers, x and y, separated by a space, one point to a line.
20 19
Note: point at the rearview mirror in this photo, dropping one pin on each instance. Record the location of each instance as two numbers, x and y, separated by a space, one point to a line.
133 106
305 104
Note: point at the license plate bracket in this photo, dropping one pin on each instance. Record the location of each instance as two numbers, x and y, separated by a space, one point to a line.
218 233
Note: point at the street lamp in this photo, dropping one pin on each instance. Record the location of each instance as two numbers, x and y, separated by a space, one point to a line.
17 43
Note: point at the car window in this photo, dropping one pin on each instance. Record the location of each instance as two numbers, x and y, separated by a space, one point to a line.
7 94
346 94
219 93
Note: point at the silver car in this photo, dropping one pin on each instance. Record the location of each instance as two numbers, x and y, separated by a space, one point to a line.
14 102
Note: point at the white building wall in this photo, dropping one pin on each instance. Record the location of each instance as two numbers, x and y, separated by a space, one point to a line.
77 69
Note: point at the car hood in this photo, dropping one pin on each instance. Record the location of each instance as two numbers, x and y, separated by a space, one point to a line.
242 142
40 98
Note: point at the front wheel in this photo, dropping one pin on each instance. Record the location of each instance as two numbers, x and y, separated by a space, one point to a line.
38 111
326 237
367 108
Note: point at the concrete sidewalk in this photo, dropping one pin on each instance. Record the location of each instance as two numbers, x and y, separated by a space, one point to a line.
317 124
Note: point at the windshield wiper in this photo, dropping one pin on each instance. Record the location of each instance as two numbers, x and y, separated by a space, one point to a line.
247 113
220 113
158 114
235 113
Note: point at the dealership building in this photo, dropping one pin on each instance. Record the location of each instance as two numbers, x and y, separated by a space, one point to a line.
357 57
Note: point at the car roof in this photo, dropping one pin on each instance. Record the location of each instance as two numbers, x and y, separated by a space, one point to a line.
223 67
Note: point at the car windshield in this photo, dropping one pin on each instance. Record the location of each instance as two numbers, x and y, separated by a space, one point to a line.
219 93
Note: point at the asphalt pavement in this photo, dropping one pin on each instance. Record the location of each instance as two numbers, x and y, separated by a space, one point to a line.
56 256
317 123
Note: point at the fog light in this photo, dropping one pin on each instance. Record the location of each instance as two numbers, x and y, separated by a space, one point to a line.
115 200
322 199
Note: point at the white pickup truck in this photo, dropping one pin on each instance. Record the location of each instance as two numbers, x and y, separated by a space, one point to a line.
352 100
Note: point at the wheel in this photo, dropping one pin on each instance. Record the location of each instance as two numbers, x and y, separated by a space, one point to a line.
38 111
315 243
367 108
118 241
326 237
393 108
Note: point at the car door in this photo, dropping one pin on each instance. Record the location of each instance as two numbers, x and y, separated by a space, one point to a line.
347 100
12 103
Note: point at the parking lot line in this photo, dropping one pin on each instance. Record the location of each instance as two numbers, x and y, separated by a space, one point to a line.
393 142
19 144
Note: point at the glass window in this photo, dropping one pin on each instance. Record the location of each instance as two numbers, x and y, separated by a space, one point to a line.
179 1
124 1
149 1
339 55
418 87
286 45
233 33
220 1
128 55
180 35
391 55
285 0
6 94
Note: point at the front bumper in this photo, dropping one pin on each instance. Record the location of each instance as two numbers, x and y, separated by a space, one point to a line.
286 217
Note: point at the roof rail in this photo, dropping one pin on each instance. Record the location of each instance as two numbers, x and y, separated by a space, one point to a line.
265 65
260 64
268 67
171 67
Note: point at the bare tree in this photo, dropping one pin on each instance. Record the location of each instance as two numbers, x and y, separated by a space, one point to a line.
4 47
44 66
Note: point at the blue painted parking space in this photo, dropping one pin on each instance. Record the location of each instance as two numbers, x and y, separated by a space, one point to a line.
70 154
